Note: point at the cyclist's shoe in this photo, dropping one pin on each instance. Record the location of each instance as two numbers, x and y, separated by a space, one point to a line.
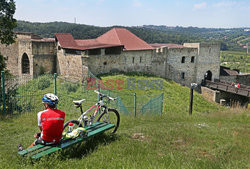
20 147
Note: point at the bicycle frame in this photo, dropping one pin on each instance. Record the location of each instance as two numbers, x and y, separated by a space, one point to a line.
92 118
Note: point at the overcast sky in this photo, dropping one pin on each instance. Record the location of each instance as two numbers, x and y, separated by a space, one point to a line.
198 13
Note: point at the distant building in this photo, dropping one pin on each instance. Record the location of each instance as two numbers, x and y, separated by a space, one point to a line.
116 50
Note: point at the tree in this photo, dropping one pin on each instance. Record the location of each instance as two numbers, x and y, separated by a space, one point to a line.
7 24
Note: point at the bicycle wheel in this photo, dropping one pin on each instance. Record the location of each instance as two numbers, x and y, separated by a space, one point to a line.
75 122
110 116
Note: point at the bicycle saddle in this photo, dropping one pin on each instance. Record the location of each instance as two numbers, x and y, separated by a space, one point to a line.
78 102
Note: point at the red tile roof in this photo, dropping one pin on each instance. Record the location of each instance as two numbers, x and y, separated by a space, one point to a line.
121 36
93 44
66 40
113 38
169 45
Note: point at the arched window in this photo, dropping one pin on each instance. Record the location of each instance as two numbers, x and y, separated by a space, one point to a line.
25 64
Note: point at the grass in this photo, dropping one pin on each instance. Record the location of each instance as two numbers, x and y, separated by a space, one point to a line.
213 137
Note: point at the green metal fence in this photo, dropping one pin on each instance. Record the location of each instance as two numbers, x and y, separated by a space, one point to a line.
23 94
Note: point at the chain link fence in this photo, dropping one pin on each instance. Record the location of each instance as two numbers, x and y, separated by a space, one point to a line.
23 94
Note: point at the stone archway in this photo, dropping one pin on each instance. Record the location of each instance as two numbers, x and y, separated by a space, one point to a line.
208 75
25 64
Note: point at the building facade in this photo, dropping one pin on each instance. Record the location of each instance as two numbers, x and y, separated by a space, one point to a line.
118 50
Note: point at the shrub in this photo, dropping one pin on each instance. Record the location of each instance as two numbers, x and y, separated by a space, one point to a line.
70 87
43 82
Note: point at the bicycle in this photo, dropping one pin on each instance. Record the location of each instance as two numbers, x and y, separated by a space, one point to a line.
107 115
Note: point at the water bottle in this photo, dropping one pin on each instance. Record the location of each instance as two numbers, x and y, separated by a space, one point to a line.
85 120
71 125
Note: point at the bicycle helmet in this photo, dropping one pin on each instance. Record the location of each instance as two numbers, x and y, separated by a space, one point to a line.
50 99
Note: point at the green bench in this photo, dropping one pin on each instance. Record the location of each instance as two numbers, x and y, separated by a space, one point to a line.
39 151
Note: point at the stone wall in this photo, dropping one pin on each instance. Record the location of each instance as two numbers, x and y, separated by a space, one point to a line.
10 54
127 61
25 46
69 65
183 73
211 95
242 79
44 55
208 60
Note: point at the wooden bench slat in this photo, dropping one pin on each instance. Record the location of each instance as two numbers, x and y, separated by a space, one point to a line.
46 152
99 130
39 146
22 153
38 151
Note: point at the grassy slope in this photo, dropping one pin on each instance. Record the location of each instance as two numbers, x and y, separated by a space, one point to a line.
213 137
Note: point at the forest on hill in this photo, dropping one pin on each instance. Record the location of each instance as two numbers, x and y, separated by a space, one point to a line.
230 39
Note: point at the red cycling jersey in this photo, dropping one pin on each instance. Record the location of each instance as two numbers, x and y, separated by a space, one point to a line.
52 121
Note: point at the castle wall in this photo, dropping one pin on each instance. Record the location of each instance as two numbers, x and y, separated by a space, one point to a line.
208 59
44 55
128 61
10 54
25 46
158 63
183 73
69 65
242 79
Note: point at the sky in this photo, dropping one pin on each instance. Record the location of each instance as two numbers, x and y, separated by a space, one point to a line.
196 13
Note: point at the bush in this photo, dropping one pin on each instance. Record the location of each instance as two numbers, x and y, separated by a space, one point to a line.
70 87
43 82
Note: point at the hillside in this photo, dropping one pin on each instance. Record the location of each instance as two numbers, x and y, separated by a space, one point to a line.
231 39
213 137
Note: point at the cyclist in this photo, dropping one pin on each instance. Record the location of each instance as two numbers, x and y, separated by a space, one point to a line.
50 122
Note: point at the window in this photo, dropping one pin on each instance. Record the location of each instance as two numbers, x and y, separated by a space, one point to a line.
25 64
183 59
104 63
192 59
133 60
73 51
182 75
113 51
140 59
94 52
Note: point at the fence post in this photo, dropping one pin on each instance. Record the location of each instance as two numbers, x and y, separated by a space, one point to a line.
135 103
3 92
55 83
162 102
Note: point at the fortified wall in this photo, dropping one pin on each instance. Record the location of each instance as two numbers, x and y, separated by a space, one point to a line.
30 55
116 50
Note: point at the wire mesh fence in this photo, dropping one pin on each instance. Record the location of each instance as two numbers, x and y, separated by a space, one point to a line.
23 94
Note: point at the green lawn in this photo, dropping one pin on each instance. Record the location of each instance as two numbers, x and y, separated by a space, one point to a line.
213 137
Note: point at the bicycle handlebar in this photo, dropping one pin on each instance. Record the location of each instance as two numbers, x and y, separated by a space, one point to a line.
103 95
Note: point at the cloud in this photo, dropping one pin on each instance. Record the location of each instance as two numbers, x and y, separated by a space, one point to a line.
136 3
200 5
